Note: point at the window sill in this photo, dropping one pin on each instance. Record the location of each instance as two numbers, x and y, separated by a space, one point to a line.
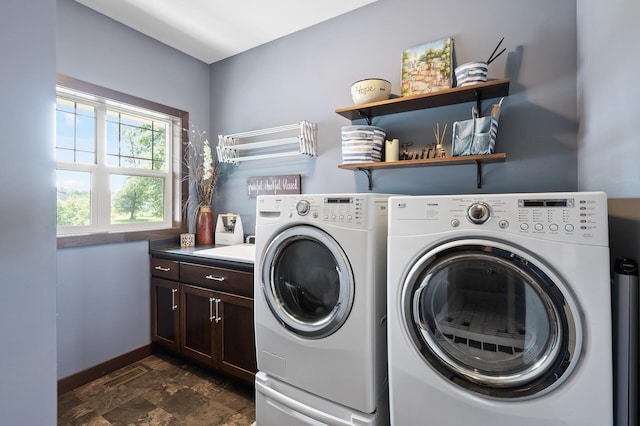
70 241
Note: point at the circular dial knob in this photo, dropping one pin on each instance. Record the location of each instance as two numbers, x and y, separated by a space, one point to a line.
303 207
478 212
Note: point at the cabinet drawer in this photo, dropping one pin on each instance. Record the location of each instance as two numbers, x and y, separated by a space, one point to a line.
236 282
164 268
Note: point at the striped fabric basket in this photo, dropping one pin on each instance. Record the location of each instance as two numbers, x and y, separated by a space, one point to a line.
471 73
362 144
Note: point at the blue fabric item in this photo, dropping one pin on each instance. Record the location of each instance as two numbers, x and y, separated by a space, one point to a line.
476 136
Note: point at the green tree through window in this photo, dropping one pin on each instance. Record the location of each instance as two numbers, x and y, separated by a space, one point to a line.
141 198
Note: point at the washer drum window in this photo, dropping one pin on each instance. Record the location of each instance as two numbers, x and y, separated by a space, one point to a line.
307 281
490 320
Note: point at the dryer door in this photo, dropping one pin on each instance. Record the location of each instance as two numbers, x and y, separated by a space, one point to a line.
490 319
307 281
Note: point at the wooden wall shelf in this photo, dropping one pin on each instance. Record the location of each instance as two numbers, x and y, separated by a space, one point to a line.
447 161
475 93
367 168
457 95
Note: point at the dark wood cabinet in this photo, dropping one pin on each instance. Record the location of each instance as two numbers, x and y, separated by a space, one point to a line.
164 311
205 314
198 330
237 353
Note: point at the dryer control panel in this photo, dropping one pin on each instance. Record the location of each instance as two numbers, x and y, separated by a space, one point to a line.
579 217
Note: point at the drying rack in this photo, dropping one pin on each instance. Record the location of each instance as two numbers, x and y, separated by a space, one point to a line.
283 141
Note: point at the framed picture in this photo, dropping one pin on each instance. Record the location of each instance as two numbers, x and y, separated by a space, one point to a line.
428 67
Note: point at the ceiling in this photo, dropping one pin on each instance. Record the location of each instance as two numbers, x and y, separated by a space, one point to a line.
211 30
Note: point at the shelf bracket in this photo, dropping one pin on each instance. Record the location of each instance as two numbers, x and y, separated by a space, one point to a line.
369 174
478 174
365 116
478 102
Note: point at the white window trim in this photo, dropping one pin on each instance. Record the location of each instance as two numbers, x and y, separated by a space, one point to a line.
100 220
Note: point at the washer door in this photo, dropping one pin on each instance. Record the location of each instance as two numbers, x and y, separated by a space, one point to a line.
487 318
307 281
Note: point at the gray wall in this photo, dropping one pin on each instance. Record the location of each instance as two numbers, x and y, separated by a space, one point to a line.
307 76
103 296
27 214
103 304
609 152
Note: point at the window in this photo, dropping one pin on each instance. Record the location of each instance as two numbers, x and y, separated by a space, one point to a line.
118 162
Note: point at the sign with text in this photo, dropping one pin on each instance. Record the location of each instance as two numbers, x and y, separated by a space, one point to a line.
273 185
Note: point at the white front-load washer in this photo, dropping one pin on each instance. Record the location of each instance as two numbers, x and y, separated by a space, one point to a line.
320 306
499 310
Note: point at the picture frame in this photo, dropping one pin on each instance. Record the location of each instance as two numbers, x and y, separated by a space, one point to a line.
427 67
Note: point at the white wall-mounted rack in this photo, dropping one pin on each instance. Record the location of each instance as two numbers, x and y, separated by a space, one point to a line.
276 142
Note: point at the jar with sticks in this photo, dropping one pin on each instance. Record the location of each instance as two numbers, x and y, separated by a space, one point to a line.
440 151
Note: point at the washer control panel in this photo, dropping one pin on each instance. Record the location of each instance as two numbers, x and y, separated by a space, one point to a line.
478 212
303 207
577 216
342 209
347 210
553 215
338 209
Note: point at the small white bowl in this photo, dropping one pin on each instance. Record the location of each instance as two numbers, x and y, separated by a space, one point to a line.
370 90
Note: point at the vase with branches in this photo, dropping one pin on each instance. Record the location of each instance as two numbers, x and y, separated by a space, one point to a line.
202 174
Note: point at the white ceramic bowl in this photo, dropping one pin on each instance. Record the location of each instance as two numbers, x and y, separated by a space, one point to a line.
370 90
471 73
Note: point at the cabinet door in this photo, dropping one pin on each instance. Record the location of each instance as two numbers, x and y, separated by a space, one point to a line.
164 311
237 337
198 331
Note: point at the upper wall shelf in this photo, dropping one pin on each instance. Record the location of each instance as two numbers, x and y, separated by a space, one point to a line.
475 93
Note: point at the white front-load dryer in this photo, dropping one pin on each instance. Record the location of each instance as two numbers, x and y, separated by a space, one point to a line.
320 303
499 310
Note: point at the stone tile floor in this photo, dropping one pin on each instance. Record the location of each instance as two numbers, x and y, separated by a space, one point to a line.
159 390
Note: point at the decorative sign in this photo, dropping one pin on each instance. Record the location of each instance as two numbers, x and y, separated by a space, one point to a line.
273 185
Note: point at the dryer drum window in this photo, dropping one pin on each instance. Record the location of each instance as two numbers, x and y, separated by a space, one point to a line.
491 321
307 282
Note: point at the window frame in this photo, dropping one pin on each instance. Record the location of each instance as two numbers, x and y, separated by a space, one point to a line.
179 182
